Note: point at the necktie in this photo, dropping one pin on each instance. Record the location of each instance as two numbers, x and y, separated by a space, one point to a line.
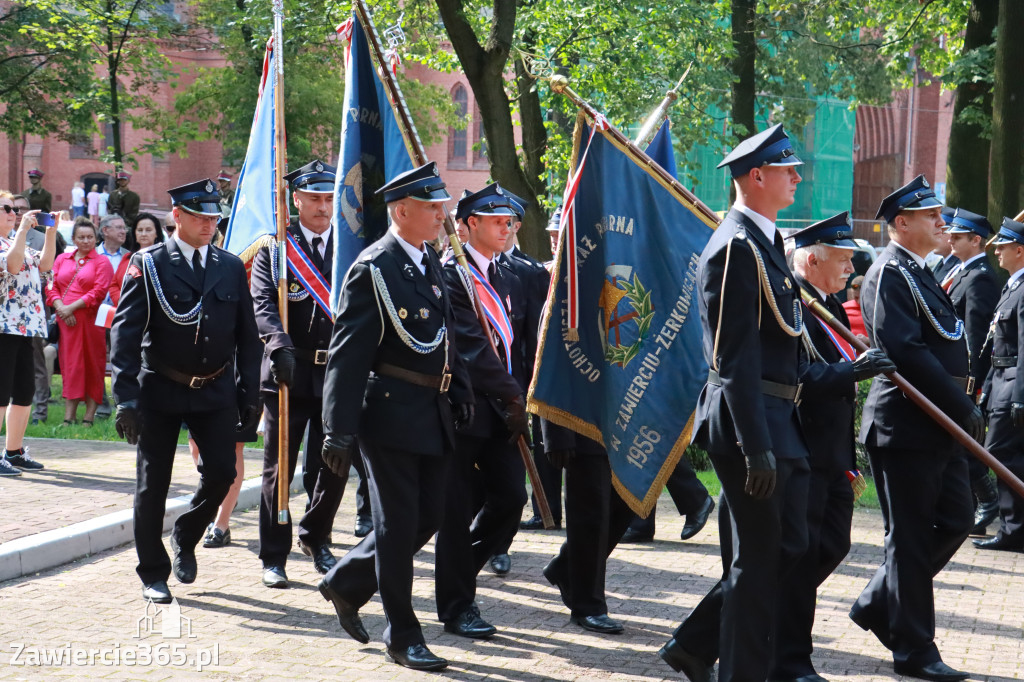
492 272
779 243
318 260
197 267
425 262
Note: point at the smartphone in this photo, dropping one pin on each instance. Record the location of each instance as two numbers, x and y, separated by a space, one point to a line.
44 219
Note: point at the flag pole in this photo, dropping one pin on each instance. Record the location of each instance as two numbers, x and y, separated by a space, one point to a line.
280 162
654 120
419 156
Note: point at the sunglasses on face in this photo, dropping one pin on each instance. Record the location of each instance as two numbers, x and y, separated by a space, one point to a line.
12 209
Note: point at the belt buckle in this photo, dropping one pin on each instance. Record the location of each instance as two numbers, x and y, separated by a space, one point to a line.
197 382
799 390
320 357
446 379
970 386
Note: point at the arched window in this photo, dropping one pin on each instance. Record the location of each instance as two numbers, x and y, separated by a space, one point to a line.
456 137
479 141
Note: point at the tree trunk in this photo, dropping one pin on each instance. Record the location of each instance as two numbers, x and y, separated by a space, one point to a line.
115 109
744 43
1007 114
968 157
532 237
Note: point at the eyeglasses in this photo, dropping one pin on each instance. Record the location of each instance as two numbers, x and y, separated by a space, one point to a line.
12 209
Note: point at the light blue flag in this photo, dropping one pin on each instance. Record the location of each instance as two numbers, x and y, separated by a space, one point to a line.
629 375
254 213
372 153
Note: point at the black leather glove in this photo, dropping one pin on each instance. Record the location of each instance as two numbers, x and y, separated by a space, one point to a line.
128 422
248 418
1017 414
561 458
463 414
760 475
871 363
338 452
282 366
516 419
974 424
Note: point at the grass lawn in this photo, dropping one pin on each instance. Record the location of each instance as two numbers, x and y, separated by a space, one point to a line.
869 500
103 429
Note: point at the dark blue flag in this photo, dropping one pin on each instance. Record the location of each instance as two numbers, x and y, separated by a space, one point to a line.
629 374
660 149
372 153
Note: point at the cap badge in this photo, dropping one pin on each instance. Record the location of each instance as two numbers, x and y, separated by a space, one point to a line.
319 167
925 183
497 190
403 313
434 169
209 186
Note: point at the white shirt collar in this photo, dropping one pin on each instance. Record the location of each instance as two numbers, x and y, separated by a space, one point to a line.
415 254
478 258
102 248
766 226
187 250
1015 276
971 260
917 259
310 235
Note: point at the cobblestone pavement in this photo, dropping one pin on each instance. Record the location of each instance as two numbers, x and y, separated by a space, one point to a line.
245 631
85 479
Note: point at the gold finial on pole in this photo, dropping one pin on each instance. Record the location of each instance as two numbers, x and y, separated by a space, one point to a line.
654 120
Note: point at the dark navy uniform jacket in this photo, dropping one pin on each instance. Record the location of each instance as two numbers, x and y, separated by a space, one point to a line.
1007 340
751 345
392 412
309 327
896 324
535 279
492 383
226 333
974 293
827 405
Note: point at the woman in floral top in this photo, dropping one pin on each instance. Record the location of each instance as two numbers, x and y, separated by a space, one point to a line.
80 282
22 317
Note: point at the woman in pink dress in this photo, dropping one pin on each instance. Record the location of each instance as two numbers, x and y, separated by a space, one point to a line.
80 282
92 200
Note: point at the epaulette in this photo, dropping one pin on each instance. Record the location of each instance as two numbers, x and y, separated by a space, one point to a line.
372 252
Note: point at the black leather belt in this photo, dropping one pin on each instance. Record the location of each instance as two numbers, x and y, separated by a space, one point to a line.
966 383
317 357
772 388
180 377
429 380
1005 361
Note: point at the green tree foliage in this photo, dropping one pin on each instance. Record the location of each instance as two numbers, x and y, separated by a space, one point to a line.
110 58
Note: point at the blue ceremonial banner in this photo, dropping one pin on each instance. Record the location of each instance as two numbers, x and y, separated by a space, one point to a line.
629 376
660 149
254 213
372 153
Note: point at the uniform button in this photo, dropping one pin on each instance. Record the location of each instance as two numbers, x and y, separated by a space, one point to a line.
387 394
175 297
206 317
206 339
204 361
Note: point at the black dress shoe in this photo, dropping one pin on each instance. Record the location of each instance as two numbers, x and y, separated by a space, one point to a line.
877 629
696 521
938 671
470 624
684 662
157 592
348 615
417 657
813 677
184 565
323 560
215 538
633 535
274 576
600 623
501 564
535 523
1000 541
363 527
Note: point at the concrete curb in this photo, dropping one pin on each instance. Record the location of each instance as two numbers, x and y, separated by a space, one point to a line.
38 552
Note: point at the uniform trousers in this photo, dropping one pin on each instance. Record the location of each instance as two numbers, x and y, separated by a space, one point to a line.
41 399
215 434
407 493
327 489
687 492
595 520
829 515
466 541
760 540
927 512
1006 442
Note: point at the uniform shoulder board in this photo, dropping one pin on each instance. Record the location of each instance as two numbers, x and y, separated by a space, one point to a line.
741 233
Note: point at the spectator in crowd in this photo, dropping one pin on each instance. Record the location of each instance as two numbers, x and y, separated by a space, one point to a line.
81 280
852 307
22 318
21 202
78 200
168 224
101 204
113 232
218 533
147 231
93 201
